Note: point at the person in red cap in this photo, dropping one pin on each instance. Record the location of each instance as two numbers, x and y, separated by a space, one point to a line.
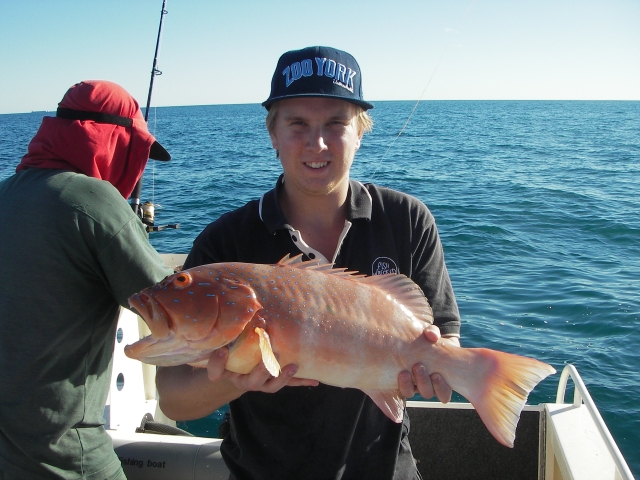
316 120
72 252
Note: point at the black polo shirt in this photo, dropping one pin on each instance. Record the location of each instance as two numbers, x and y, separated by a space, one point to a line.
327 432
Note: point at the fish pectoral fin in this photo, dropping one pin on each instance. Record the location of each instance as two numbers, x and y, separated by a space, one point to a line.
391 402
268 358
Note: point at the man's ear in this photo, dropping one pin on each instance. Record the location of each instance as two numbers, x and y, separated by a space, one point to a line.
274 140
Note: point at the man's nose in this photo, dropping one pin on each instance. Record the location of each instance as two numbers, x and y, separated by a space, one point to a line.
316 139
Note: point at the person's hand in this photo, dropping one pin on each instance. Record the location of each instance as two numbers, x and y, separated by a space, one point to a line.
419 380
258 380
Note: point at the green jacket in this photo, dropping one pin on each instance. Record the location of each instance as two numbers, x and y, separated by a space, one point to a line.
71 253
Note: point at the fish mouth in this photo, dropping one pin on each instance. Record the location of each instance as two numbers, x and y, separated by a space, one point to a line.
141 304
151 311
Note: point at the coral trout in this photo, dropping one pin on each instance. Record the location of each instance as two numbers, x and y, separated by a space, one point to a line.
338 327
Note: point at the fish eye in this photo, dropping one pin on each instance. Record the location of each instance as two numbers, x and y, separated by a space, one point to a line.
182 280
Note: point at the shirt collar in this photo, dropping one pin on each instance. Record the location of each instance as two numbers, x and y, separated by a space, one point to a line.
358 205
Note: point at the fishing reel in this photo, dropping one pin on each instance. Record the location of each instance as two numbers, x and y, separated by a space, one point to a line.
146 212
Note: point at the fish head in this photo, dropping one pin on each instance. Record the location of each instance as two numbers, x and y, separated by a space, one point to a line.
201 305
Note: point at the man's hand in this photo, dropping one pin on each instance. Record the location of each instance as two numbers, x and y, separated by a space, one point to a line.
258 380
419 380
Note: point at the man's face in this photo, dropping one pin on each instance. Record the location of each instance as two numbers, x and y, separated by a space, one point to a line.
317 139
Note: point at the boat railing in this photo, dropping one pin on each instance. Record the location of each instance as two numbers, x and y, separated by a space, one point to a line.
581 397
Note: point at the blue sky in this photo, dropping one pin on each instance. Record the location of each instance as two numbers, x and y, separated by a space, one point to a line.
223 51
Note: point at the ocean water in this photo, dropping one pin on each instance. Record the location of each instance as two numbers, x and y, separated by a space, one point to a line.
537 204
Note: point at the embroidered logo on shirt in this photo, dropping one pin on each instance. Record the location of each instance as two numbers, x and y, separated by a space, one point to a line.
384 265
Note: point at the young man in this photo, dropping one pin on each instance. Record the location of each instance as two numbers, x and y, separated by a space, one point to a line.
316 121
72 252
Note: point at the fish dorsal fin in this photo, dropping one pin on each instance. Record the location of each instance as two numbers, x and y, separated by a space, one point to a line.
403 290
289 260
398 286
297 262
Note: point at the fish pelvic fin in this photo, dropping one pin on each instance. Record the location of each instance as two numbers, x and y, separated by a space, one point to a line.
390 402
268 358
501 390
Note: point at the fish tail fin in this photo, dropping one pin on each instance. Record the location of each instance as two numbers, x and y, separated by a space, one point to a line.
501 388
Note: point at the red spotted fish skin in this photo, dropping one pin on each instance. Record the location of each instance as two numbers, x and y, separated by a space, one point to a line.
339 328
317 318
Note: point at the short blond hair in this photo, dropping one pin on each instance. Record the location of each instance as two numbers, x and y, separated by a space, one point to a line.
363 120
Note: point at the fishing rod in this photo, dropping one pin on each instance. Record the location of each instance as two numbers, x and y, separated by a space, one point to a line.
146 211
442 55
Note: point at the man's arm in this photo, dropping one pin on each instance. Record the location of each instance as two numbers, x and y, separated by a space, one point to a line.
187 393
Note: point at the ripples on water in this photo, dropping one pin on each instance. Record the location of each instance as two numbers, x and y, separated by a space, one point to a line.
536 203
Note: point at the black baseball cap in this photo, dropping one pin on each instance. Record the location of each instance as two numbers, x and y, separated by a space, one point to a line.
317 72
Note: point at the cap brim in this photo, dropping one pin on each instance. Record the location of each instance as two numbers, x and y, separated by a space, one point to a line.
158 152
361 103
